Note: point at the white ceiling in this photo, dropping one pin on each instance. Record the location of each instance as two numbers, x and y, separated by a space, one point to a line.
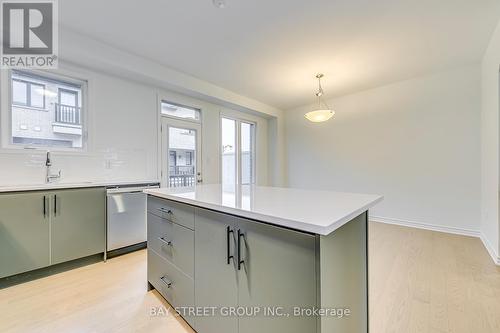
270 50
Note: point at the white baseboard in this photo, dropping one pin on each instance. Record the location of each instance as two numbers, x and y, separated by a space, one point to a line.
426 226
439 228
494 255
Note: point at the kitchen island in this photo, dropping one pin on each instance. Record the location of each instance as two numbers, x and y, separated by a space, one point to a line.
261 259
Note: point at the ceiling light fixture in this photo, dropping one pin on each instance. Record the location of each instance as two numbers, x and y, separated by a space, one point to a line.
323 111
219 3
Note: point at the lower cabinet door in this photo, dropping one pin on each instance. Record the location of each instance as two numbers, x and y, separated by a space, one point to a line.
173 284
78 223
278 274
24 232
215 274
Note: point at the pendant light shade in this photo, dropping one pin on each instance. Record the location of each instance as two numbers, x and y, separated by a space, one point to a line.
319 116
322 112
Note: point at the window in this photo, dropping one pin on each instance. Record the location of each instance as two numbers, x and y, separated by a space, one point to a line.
238 152
46 111
172 158
181 149
28 94
189 158
68 97
180 111
247 153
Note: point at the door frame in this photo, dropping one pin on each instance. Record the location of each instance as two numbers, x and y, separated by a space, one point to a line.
170 97
166 123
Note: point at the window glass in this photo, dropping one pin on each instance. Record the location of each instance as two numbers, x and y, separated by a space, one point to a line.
179 111
247 153
19 92
181 151
37 95
39 119
228 150
238 153
67 97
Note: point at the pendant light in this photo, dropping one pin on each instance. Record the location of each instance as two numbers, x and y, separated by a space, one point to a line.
322 112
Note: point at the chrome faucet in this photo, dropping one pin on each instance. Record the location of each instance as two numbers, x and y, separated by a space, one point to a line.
49 175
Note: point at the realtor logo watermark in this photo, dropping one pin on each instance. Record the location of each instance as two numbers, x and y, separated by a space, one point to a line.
29 35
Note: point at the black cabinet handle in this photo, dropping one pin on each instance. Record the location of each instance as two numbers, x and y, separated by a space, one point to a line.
166 242
166 281
55 204
44 206
164 210
240 235
228 233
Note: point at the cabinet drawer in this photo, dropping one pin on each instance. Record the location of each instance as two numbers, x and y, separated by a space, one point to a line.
171 283
173 242
176 212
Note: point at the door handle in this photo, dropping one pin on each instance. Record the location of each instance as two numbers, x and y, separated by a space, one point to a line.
228 233
240 235
44 206
55 204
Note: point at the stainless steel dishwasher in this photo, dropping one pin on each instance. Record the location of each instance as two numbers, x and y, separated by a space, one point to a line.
126 218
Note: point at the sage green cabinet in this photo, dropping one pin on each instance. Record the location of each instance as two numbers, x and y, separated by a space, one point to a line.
215 270
77 223
43 228
24 232
277 271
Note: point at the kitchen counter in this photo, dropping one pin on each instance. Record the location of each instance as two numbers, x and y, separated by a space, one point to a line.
54 186
318 212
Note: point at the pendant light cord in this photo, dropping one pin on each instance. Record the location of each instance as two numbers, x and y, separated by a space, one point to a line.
320 92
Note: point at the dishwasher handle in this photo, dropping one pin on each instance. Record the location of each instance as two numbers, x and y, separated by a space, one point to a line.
118 190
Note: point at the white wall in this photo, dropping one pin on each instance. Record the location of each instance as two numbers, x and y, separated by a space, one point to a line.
490 145
277 161
417 142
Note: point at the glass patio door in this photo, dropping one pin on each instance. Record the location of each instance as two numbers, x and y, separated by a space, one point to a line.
237 152
181 153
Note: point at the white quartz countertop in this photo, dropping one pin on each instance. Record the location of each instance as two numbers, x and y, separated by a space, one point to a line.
318 212
55 186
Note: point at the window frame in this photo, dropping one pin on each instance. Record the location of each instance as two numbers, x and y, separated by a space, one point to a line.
29 103
238 121
67 91
26 85
64 76
197 121
165 121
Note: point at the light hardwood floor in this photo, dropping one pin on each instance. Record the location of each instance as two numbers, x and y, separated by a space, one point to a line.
420 281
424 281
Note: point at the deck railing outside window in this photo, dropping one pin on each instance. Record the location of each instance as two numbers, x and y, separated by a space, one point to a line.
68 114
181 175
